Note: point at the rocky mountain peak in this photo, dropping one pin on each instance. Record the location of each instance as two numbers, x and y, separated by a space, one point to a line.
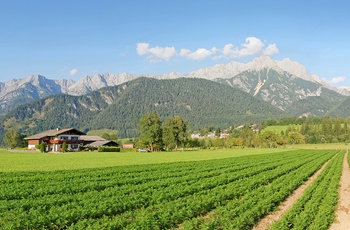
262 62
295 68
38 85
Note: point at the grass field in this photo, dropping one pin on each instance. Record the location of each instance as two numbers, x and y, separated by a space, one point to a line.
14 162
322 146
280 128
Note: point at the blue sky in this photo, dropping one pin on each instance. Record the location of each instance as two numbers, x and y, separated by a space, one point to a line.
71 39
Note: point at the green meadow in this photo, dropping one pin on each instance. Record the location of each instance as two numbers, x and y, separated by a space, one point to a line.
23 161
280 128
19 161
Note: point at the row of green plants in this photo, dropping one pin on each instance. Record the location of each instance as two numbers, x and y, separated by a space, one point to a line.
149 196
244 212
315 209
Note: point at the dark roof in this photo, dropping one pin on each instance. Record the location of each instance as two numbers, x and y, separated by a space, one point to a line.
53 133
91 138
102 143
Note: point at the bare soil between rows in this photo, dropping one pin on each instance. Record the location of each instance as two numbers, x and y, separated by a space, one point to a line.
342 221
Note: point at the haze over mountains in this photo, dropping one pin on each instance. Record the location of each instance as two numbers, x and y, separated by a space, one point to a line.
281 83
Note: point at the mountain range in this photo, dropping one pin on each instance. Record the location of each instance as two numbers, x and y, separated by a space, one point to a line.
218 96
203 103
281 83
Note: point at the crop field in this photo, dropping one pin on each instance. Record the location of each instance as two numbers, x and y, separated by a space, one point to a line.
228 193
17 161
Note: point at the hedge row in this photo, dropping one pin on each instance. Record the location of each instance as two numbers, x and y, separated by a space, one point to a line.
108 149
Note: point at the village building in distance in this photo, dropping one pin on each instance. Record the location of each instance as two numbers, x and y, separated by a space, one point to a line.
75 139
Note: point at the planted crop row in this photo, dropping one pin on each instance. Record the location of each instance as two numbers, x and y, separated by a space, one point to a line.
163 196
243 213
115 204
68 182
315 209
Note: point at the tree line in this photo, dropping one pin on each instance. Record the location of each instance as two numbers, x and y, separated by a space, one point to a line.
174 133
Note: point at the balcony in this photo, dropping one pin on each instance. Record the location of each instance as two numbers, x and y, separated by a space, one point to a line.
67 141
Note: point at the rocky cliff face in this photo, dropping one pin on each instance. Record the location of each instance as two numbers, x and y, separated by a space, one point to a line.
280 83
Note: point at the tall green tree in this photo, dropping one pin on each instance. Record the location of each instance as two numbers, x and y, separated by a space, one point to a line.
175 132
295 138
150 128
22 143
270 137
11 138
180 129
247 135
168 133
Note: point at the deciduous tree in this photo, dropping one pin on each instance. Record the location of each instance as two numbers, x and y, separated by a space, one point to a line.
150 128
180 131
168 133
11 138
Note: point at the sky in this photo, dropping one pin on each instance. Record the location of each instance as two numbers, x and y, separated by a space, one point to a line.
69 39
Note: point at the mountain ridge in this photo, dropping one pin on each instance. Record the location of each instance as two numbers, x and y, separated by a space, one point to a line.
202 102
16 92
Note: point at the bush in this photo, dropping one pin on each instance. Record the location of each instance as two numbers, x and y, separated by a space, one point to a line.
64 147
42 147
108 149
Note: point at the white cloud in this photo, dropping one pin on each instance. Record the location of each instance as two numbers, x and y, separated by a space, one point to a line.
252 46
200 53
73 71
156 53
142 48
184 52
271 49
337 80
229 50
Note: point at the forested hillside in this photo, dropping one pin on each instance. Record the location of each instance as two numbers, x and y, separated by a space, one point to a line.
317 106
341 109
200 102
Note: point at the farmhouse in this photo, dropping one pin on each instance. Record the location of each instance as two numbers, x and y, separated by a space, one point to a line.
53 139
75 139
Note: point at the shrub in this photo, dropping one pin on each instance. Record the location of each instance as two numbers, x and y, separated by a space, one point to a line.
42 147
108 149
64 147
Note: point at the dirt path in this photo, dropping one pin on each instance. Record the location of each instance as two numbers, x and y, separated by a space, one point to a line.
342 221
288 203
